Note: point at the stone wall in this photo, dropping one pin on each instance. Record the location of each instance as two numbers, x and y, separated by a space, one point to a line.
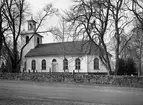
129 81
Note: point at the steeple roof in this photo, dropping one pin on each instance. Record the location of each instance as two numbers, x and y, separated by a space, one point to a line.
32 20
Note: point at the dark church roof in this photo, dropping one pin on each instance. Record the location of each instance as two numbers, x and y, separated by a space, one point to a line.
64 48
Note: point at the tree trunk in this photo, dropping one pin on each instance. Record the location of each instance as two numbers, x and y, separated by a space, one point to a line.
140 61
117 46
117 59
1 33
14 67
139 70
109 67
15 63
0 42
107 58
117 64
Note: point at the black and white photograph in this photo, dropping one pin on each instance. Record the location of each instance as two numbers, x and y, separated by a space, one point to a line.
71 52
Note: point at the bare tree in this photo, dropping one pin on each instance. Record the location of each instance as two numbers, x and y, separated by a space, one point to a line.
5 58
3 28
136 45
137 9
1 32
134 48
120 22
138 48
61 31
47 11
14 13
62 34
89 19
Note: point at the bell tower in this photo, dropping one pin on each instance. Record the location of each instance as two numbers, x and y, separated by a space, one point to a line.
30 39
31 24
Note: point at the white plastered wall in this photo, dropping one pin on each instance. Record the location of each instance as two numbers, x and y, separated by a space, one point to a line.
90 65
71 63
32 44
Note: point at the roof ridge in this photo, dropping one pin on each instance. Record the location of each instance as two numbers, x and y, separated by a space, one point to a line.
64 42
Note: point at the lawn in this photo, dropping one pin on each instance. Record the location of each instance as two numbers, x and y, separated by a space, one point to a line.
18 101
36 93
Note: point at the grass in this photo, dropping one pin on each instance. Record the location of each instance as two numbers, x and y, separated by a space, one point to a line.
18 101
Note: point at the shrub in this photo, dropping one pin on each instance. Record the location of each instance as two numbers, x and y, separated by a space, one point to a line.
131 67
127 67
122 67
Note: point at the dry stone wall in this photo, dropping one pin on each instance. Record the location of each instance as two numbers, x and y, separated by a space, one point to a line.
129 81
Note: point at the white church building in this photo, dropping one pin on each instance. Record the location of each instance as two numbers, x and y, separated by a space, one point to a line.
77 56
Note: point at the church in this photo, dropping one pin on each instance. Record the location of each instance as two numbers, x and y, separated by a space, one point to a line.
74 56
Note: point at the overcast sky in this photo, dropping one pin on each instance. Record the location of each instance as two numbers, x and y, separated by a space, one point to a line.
38 5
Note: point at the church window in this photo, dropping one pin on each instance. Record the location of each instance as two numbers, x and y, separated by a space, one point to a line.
33 65
54 60
77 64
65 64
27 39
37 40
96 64
43 64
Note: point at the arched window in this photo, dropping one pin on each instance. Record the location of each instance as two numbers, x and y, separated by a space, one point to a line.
96 64
43 64
77 64
54 60
27 39
33 65
65 64
38 40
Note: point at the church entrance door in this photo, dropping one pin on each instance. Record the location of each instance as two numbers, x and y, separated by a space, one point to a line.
54 65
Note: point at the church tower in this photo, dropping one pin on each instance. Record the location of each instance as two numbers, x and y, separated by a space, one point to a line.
31 24
30 39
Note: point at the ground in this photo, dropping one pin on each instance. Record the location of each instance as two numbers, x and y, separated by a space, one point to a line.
34 93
